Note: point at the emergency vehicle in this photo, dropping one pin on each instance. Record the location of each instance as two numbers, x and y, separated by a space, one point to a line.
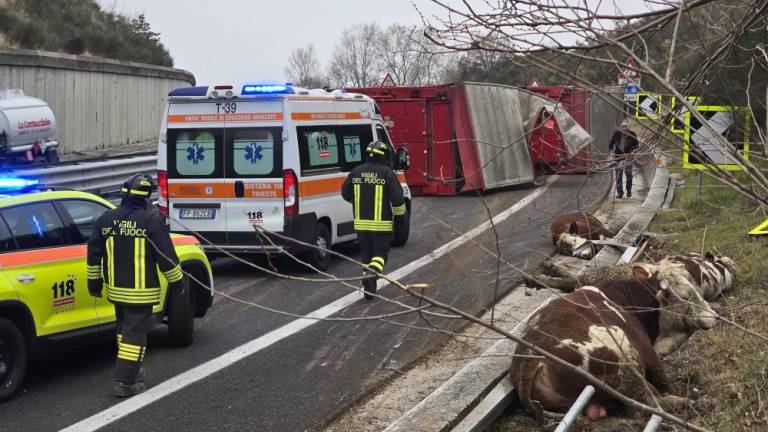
44 301
234 160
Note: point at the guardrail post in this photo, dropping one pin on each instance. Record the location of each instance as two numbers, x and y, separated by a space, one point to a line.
575 409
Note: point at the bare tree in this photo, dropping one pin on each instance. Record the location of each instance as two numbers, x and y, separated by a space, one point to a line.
355 61
304 68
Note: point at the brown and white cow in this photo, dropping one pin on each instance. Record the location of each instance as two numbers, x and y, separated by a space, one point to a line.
569 231
617 332
581 224
711 274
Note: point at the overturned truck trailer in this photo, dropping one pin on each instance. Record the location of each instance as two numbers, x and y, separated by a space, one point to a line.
477 136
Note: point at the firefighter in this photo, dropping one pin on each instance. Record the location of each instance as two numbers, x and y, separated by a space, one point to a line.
127 246
377 197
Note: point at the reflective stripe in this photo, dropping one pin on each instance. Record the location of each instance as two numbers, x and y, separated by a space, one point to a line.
143 257
377 202
357 201
111 260
364 225
136 264
377 265
94 272
174 275
378 260
130 352
399 210
134 296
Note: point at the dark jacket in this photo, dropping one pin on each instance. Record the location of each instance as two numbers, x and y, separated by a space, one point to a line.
127 246
376 194
630 143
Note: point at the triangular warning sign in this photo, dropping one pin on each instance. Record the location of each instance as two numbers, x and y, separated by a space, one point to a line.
534 83
388 81
629 71
761 229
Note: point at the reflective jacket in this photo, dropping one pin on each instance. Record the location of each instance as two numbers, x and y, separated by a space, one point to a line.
127 246
377 196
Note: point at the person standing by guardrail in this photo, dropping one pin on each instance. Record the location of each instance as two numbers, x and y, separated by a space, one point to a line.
623 144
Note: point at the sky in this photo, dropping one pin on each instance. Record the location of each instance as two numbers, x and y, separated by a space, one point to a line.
228 41
232 41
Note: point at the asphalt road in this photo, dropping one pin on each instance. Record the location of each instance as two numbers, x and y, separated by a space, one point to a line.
304 380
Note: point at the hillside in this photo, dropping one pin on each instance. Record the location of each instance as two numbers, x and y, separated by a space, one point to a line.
79 27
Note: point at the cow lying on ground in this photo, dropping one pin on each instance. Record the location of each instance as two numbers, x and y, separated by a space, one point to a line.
616 332
585 225
569 231
711 276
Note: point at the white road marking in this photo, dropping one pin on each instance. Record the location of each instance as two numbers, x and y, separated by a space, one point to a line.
172 385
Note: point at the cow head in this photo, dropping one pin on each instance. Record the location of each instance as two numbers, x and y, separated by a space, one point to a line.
570 241
682 310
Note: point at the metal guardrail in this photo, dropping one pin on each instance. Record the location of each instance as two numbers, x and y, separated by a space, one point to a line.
92 176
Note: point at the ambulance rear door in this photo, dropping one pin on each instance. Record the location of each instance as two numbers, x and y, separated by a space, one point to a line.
197 188
253 143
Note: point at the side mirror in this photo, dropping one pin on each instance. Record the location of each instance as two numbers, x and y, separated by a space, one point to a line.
403 159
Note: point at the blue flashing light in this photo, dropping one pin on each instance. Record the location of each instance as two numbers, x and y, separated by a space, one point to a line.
267 89
189 91
16 183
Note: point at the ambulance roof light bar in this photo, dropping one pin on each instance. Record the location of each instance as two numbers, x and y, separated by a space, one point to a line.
262 89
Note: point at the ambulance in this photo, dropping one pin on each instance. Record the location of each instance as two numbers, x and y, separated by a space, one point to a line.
239 164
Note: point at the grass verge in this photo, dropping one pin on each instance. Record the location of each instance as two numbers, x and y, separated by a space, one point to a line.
725 369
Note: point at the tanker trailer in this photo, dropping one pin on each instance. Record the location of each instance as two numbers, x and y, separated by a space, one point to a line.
27 129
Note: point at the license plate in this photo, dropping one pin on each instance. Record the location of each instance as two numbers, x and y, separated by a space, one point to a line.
196 213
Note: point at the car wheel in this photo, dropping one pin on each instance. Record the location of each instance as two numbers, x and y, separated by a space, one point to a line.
181 323
320 258
402 230
13 359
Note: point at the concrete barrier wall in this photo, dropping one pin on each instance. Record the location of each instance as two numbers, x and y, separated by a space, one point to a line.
99 104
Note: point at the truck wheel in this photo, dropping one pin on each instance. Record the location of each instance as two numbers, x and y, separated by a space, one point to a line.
181 324
52 156
402 230
320 259
13 359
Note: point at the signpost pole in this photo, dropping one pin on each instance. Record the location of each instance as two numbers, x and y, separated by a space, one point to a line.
698 181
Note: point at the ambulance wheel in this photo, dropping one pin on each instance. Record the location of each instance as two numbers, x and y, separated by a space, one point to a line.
402 230
320 259
13 359
181 324
52 156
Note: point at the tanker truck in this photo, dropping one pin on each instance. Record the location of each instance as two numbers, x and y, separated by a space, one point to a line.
27 129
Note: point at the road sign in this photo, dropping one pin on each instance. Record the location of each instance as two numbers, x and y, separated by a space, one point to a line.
630 90
681 117
629 74
388 81
647 106
534 83
732 123
761 229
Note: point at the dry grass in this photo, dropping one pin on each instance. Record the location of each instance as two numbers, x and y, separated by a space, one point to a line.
725 370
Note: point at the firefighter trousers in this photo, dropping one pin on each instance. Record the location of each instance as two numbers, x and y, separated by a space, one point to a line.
133 324
374 248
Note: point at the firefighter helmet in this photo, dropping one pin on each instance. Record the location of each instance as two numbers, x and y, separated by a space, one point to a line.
140 185
378 150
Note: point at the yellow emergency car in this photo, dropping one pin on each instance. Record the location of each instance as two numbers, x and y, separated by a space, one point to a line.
44 299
